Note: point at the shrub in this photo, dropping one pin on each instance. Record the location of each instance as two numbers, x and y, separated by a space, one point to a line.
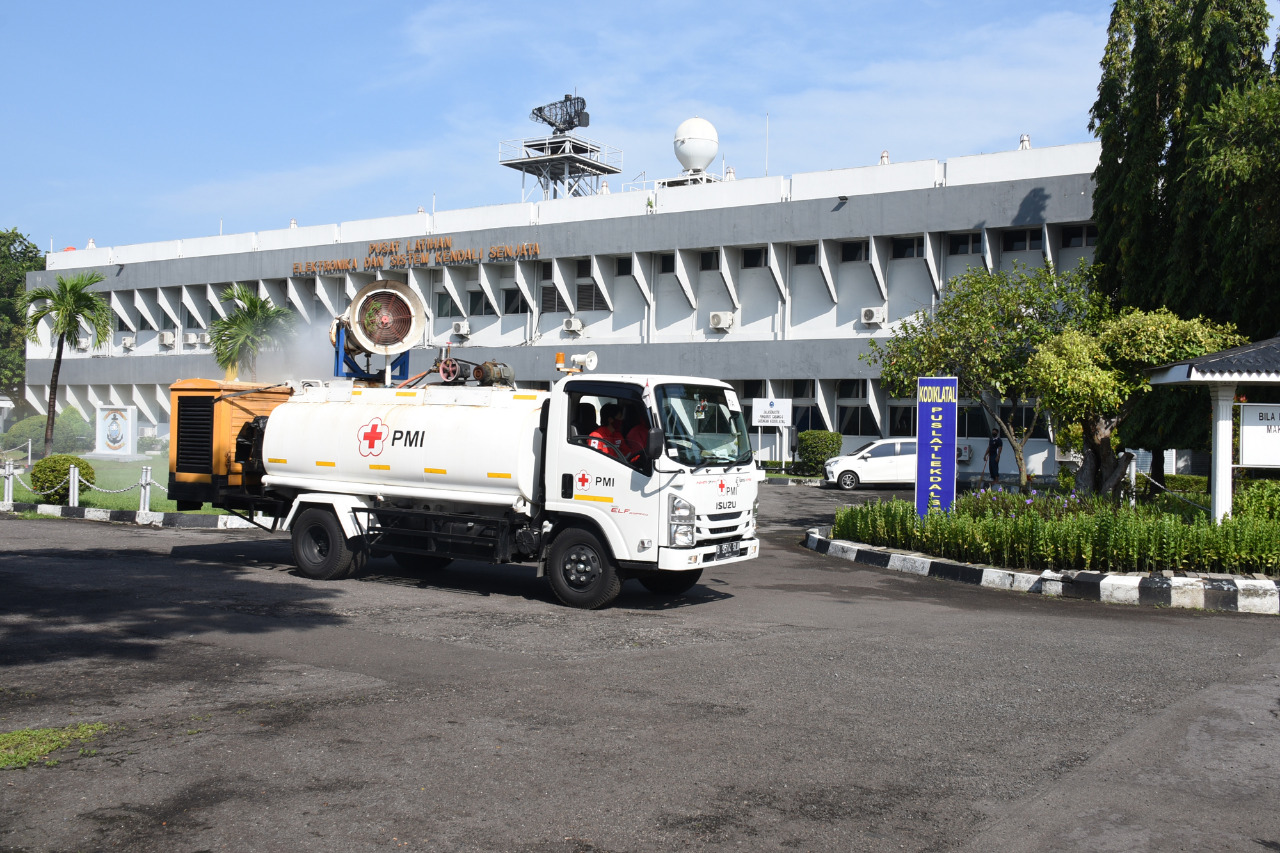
1259 499
815 447
51 471
1186 483
151 443
71 433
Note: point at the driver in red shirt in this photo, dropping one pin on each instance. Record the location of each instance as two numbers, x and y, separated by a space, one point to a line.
608 437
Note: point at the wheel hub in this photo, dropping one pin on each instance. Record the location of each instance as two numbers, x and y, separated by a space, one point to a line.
581 566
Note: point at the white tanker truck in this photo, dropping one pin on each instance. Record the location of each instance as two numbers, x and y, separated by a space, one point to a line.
481 470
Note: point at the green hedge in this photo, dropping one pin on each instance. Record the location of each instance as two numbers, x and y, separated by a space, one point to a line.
814 447
71 433
1057 533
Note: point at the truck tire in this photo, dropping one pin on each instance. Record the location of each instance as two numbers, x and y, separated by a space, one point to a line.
581 572
321 549
670 583
420 562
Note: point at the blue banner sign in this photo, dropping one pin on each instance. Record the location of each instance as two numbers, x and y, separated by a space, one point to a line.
935 443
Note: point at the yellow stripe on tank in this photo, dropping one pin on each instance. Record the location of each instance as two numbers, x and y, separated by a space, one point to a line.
320 464
379 467
524 397
406 393
494 476
434 471
278 461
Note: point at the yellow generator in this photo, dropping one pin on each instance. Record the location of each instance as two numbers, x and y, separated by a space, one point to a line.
207 452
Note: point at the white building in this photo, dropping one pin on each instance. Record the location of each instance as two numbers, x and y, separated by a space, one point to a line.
774 284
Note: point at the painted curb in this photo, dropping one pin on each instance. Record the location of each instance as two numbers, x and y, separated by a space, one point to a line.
1228 593
144 519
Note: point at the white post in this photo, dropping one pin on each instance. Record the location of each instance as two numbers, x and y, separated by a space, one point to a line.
28 454
1133 481
144 496
8 481
74 474
1224 397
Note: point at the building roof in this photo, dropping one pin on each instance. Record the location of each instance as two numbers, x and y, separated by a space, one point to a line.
1254 363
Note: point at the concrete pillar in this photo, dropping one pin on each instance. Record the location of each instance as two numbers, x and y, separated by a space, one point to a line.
1224 397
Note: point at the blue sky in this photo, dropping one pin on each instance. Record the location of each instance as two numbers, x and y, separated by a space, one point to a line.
137 122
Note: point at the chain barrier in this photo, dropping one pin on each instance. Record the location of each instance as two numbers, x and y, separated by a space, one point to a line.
22 446
1175 494
158 486
84 482
34 491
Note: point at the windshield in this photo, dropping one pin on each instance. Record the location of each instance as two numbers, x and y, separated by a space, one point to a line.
704 425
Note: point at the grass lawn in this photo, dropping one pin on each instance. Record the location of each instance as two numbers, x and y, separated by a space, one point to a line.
119 475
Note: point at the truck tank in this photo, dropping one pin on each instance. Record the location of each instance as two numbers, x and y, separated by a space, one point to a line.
478 445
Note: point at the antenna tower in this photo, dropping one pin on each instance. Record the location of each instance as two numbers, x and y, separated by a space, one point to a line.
563 165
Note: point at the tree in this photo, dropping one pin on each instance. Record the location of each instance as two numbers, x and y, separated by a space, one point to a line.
253 326
986 328
1166 63
18 256
1094 375
71 309
1233 171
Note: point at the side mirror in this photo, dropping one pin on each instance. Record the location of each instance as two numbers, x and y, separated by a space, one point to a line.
657 439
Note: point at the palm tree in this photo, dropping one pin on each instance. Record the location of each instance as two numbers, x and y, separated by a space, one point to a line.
253 326
70 307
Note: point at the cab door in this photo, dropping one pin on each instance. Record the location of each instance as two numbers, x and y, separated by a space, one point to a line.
607 481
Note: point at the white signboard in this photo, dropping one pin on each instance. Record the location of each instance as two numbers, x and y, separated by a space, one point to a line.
1259 435
117 429
767 411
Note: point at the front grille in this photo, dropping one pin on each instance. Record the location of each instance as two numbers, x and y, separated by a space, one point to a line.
195 435
718 530
724 516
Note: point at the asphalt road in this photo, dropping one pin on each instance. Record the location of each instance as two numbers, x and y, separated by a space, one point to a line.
794 703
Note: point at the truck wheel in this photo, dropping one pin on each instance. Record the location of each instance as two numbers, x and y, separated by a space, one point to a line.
670 583
420 562
320 547
580 571
848 481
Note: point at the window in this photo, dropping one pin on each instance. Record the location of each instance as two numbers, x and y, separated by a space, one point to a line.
591 403
908 247
1078 236
806 255
1022 420
546 271
857 420
478 304
806 418
752 258
437 276
858 250
166 322
965 244
121 325
753 388
446 307
144 325
667 263
622 266
590 298
971 422
902 421
854 388
709 261
802 388
584 268
1022 240
881 451
552 301
513 302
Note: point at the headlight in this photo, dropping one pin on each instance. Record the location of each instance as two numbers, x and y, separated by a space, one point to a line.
681 515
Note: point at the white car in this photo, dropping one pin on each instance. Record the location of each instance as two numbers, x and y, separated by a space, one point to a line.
889 460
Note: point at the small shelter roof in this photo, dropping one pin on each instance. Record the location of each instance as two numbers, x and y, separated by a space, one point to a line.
1251 364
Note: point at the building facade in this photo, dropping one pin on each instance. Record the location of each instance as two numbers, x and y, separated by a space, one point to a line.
775 284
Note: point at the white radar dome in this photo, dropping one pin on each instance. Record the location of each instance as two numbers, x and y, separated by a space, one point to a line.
696 144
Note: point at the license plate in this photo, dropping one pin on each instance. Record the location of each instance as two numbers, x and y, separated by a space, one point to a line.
727 549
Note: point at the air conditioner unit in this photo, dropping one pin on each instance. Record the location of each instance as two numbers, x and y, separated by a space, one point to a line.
873 314
128 343
190 338
461 328
167 339
964 453
203 338
83 344
721 320
573 324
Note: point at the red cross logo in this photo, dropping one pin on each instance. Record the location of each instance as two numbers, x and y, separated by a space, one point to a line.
722 487
371 436
583 480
